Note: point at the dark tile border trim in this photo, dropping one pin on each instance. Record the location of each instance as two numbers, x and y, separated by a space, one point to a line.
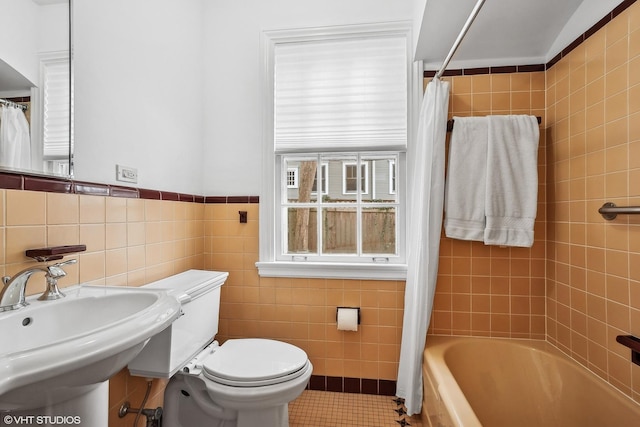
539 67
231 199
11 182
488 70
23 181
43 184
352 385
90 189
149 194
186 198
128 192
19 99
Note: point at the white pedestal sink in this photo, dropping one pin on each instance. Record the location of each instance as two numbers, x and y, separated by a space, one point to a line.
90 409
58 355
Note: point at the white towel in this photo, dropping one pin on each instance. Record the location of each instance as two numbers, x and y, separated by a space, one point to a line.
512 180
466 179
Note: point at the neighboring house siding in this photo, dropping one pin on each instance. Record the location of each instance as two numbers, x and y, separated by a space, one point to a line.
378 179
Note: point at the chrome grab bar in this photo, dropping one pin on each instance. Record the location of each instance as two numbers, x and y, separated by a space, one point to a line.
610 211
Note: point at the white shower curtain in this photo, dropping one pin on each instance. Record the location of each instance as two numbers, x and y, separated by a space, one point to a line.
15 143
426 198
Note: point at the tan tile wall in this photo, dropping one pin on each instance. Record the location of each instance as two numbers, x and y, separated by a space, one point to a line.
130 242
302 311
593 286
488 290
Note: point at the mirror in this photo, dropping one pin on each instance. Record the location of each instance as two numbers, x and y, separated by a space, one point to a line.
35 87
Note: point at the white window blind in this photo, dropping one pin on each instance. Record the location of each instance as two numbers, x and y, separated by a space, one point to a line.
341 94
56 109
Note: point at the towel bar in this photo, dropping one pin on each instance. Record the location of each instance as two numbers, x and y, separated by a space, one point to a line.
610 211
633 343
450 123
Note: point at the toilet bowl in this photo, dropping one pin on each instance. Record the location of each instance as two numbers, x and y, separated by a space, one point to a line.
241 383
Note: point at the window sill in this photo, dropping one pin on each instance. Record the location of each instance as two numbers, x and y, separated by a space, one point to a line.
332 270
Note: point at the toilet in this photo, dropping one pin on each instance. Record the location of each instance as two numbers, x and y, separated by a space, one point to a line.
241 383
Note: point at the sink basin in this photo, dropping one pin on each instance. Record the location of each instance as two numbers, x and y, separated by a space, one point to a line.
53 351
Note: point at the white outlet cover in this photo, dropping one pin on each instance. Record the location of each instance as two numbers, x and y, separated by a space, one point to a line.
126 174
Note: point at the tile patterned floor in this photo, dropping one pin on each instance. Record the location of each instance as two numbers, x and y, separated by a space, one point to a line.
329 409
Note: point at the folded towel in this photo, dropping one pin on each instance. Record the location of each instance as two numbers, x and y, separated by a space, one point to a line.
466 179
512 180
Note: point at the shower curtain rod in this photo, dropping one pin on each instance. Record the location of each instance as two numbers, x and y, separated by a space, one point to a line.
13 104
463 32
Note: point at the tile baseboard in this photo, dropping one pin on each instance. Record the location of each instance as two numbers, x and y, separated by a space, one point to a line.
352 385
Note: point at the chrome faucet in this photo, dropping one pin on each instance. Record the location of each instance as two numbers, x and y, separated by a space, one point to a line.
12 295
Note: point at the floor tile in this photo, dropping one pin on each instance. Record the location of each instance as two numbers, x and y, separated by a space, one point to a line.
329 409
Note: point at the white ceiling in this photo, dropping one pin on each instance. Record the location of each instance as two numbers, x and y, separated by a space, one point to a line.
505 32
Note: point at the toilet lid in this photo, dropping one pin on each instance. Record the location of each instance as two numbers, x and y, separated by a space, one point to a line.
254 361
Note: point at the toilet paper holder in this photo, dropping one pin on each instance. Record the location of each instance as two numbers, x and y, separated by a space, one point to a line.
356 308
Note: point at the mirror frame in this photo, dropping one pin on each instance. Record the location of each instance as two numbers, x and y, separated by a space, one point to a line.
71 92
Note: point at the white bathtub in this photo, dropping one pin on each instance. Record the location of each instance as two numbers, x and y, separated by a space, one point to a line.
487 382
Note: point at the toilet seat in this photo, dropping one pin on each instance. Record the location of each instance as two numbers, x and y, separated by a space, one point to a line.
254 362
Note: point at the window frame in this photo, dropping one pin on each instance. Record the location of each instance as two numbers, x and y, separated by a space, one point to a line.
392 177
324 173
55 62
362 178
377 268
56 164
295 177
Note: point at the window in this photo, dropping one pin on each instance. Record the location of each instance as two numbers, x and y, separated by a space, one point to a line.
392 177
324 180
337 107
51 114
56 109
292 178
350 178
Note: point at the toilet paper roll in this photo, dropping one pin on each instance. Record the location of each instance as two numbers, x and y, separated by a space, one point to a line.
347 319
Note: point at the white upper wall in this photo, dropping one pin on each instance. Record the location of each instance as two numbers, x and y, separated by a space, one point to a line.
233 121
418 14
18 21
53 27
138 92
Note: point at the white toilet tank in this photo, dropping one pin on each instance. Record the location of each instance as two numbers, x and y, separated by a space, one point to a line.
168 351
